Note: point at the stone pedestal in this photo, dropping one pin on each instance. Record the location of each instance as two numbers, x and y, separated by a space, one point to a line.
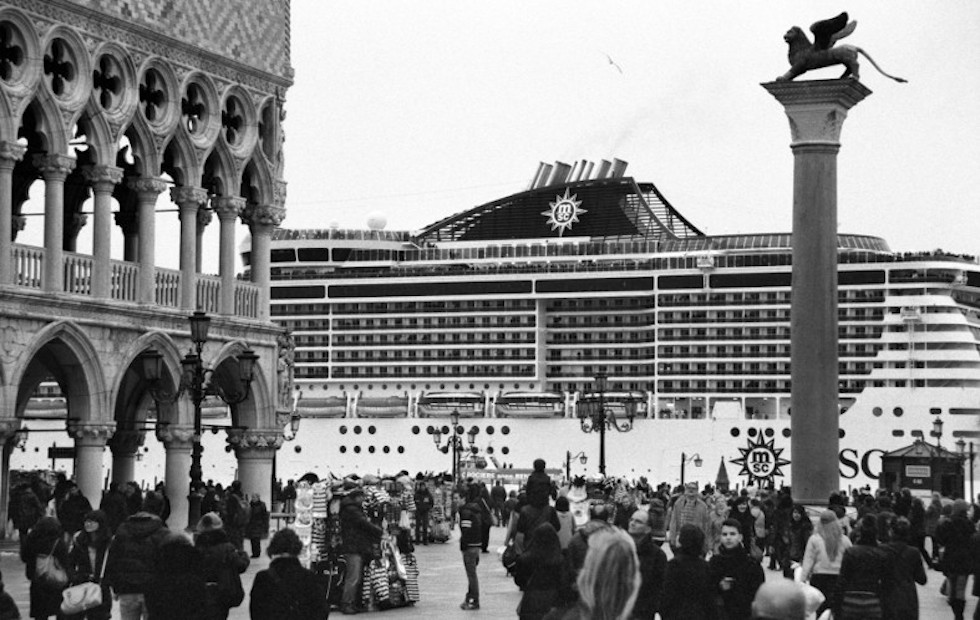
177 441
90 442
256 450
816 111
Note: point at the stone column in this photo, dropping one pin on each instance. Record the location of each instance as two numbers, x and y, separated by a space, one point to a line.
189 200
147 190
816 111
54 169
228 209
8 428
10 154
103 180
126 221
90 441
178 441
124 444
262 220
204 217
256 450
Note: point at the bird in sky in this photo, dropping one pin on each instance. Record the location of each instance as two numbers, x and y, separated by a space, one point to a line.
613 63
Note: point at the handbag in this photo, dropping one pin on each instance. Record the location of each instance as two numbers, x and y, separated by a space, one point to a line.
84 596
48 572
755 551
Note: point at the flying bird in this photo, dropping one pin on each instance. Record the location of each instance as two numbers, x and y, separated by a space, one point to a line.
613 63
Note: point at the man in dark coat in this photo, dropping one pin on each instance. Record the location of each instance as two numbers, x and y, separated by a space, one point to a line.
114 506
222 564
734 573
25 510
358 536
653 563
539 486
131 566
258 524
423 505
470 528
498 495
73 509
237 513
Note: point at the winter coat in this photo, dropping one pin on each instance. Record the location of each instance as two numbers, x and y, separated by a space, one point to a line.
689 593
899 598
132 556
863 569
258 521
221 561
470 526
113 504
287 591
72 512
542 584
933 512
538 489
28 509
653 564
747 575
178 591
358 534
45 537
423 499
954 536
579 546
698 516
82 569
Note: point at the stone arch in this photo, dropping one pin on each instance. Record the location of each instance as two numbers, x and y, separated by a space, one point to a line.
249 412
257 182
51 132
221 175
180 161
131 389
147 153
102 146
19 87
63 350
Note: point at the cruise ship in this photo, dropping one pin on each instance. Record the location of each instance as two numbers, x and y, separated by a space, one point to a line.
507 313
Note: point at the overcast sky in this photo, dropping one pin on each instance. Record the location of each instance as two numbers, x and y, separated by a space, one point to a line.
419 110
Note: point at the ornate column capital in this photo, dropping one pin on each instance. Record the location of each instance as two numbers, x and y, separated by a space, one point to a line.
259 217
8 426
204 218
186 195
103 178
279 193
54 167
91 433
817 108
11 153
125 442
227 207
173 436
147 185
258 442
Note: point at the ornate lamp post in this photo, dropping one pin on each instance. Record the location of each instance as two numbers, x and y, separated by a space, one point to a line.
454 443
594 417
196 382
686 459
961 447
582 458
937 432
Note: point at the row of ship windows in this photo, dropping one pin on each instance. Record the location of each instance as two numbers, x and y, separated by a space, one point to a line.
700 298
762 333
424 354
754 316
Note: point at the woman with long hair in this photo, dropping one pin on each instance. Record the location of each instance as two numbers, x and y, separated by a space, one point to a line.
822 558
44 539
796 536
86 561
539 573
609 579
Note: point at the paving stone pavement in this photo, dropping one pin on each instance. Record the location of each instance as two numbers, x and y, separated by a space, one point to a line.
442 583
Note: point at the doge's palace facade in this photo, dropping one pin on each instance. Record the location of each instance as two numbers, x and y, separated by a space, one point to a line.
123 106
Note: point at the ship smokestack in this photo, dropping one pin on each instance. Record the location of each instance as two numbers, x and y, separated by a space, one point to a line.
537 175
560 173
543 177
618 169
576 170
603 169
587 173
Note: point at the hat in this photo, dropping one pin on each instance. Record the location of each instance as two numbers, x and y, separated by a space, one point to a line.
960 507
210 521
691 486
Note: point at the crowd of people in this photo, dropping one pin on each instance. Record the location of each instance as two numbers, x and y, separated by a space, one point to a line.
682 553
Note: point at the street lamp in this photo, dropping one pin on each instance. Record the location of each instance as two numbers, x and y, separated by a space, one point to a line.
686 459
937 432
582 458
594 417
454 443
196 381
961 446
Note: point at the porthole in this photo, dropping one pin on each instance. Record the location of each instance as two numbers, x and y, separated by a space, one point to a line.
505 450
490 430
735 432
357 429
898 411
357 449
386 449
401 449
343 430
753 432
787 433
505 430
877 412
416 430
769 432
343 449
371 449
372 430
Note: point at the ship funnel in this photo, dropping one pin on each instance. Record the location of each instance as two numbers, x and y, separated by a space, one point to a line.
537 175
618 169
576 170
603 169
544 173
560 173
587 173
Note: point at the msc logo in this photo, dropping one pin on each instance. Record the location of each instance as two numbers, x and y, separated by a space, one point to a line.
564 212
761 460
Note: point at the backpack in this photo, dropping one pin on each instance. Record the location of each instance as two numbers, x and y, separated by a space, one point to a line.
230 591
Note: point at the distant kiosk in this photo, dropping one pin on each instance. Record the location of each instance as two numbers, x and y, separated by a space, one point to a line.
923 468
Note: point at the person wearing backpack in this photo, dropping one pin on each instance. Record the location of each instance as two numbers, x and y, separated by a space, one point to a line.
131 567
222 565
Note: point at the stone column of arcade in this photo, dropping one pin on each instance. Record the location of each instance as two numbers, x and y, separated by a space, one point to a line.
103 180
8 428
178 441
816 111
147 189
189 200
124 444
55 169
90 441
228 209
262 220
255 450
10 154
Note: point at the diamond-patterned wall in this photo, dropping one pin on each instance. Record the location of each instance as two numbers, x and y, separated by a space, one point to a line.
252 32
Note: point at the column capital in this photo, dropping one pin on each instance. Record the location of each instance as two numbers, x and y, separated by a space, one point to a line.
255 441
55 167
279 193
227 207
8 426
126 220
103 178
147 185
91 433
263 216
11 152
173 436
186 195
817 108
204 218
125 442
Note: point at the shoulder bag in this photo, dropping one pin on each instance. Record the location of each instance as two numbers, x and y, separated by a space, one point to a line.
84 596
48 572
